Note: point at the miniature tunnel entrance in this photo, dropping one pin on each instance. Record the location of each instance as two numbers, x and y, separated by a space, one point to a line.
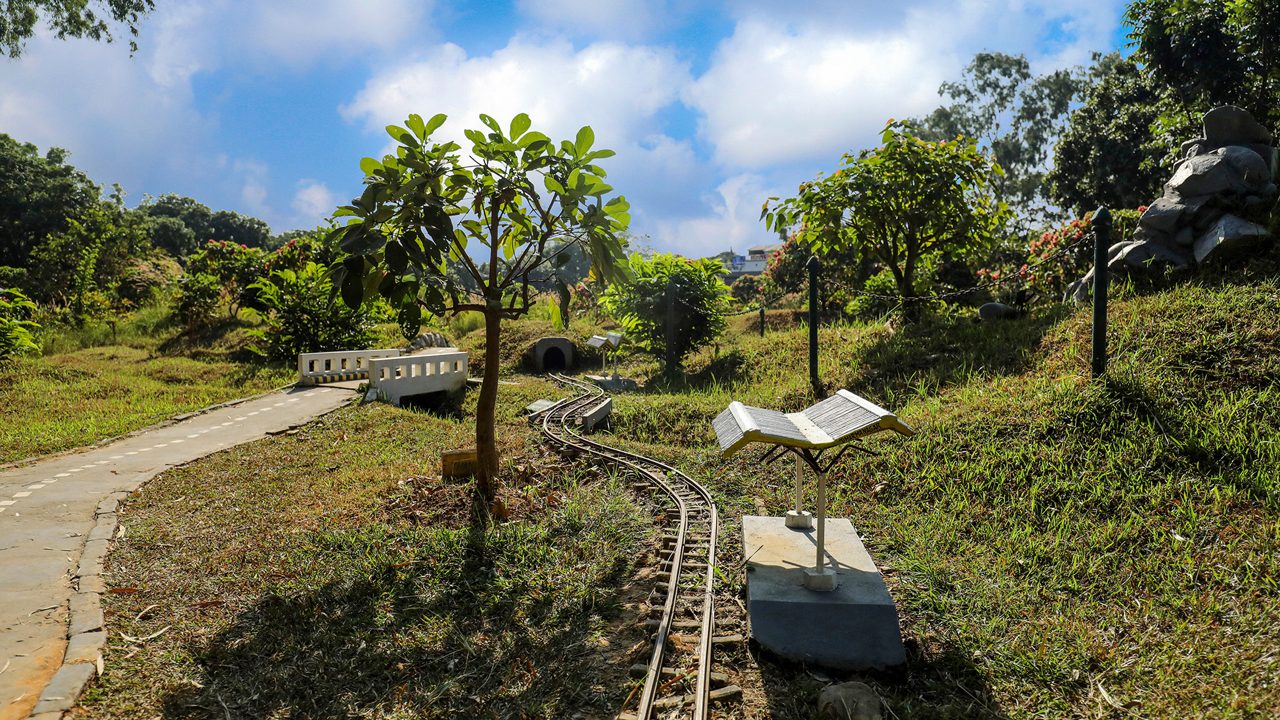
552 354
553 360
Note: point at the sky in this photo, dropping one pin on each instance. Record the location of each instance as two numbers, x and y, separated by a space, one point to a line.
266 107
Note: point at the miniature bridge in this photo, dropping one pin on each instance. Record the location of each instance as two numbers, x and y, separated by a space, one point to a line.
391 374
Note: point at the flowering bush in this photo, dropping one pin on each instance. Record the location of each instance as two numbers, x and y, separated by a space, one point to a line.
235 267
1057 257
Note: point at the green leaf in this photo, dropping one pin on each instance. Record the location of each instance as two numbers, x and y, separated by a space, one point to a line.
398 133
434 124
554 185
476 137
533 141
370 166
491 123
353 281
397 258
519 124
418 127
586 136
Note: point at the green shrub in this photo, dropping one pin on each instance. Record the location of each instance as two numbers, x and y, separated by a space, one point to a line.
16 327
197 300
300 313
691 291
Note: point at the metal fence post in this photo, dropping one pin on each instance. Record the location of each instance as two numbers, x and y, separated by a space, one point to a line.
1101 241
670 330
813 326
761 319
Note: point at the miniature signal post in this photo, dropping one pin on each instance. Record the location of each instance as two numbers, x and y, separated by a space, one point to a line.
836 612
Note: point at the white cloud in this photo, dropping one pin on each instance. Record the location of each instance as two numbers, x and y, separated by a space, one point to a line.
313 201
778 96
298 32
614 88
254 177
614 19
733 221
789 88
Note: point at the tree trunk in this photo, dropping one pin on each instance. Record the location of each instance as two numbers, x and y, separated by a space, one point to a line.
907 289
486 445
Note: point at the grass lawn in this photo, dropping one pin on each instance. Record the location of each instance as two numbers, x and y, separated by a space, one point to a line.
74 398
1056 546
330 573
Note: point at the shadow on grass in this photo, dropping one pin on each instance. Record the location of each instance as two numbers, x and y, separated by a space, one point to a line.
448 647
944 351
1210 459
943 685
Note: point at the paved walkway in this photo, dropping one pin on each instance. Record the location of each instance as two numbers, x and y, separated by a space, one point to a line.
48 511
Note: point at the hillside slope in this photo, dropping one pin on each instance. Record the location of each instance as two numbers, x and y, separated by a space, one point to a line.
1056 546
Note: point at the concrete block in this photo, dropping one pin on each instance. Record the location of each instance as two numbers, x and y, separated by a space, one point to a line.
86 647
108 506
853 627
64 689
91 560
104 529
90 584
461 463
86 613
597 414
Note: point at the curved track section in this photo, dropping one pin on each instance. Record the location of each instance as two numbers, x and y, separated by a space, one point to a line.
678 676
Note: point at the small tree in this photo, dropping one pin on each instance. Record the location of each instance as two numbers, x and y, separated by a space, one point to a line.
519 193
17 329
301 314
671 305
904 202
235 267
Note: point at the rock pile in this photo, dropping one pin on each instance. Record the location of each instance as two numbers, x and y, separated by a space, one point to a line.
1223 184
429 340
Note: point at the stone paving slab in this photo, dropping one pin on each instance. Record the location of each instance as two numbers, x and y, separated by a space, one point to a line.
57 517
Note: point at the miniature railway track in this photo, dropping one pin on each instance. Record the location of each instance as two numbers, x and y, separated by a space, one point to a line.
678 677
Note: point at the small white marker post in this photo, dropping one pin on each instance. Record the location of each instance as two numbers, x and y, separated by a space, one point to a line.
821 578
799 519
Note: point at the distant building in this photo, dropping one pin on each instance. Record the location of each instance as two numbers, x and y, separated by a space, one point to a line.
753 263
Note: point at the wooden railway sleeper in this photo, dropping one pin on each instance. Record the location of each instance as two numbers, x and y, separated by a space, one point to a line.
639 670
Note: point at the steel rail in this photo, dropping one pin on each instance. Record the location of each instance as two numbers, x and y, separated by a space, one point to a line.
561 412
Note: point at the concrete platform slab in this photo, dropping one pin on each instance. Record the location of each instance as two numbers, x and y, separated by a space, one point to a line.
613 384
853 627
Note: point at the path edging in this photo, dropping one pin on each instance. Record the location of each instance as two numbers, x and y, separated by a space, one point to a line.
86 625
83 661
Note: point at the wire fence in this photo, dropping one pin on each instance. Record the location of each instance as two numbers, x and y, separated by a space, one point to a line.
983 285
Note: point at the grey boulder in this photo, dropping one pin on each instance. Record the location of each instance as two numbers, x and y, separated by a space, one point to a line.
1230 125
997 311
1146 256
1228 170
849 701
1229 235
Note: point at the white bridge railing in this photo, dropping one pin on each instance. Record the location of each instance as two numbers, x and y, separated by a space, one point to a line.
434 370
323 367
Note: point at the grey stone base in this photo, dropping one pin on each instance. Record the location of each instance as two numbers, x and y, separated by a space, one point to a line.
853 627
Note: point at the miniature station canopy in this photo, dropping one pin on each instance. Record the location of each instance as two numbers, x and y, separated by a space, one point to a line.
606 343
834 422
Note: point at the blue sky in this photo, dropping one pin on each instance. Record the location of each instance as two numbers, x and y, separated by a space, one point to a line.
267 106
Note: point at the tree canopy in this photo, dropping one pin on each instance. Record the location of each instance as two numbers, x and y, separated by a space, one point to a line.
495 215
905 203
68 18
1015 116
37 195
